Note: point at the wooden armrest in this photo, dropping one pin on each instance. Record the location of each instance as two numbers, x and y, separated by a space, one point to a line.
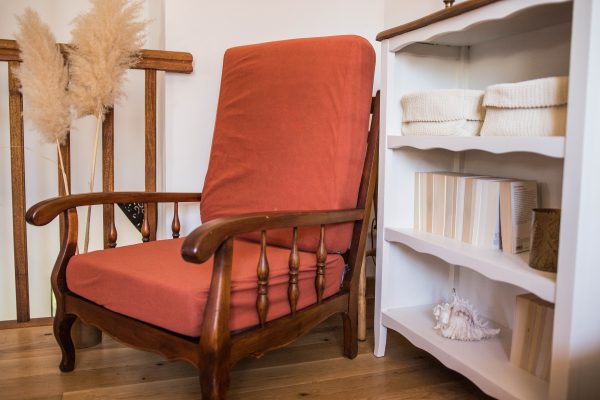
45 211
204 240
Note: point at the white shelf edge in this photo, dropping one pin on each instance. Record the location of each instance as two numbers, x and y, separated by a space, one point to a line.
499 10
486 363
494 264
551 146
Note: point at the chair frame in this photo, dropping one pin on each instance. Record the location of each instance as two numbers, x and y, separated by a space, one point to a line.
217 349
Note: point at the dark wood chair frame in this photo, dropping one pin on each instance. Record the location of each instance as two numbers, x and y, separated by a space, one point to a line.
218 349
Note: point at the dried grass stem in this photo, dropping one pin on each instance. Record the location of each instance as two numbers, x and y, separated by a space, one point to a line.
62 169
92 178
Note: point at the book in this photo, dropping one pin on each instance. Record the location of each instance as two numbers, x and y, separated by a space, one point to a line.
438 202
423 202
427 193
459 206
486 219
435 197
531 344
469 200
477 211
418 203
544 359
517 200
450 206
480 210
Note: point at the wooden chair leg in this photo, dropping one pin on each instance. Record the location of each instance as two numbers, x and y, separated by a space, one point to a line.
62 333
214 380
351 329
215 346
350 332
362 302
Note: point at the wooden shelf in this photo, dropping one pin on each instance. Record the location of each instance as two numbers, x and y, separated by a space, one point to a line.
494 264
547 146
470 23
486 363
441 15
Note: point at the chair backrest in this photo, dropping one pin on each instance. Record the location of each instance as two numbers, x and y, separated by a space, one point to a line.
291 132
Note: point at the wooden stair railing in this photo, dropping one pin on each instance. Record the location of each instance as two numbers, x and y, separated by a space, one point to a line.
150 61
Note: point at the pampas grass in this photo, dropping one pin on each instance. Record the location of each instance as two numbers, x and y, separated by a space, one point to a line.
105 43
44 78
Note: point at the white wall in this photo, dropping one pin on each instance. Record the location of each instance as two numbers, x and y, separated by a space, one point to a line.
204 28
40 158
398 12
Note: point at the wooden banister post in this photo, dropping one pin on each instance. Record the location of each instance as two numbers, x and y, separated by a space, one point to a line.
150 152
108 173
17 171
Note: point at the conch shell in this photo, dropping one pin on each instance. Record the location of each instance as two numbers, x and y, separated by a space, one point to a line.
460 321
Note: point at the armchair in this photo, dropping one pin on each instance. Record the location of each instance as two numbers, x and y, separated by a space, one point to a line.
291 138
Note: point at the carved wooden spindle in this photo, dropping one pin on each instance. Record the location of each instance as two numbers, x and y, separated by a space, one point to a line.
146 225
321 261
262 272
112 230
294 265
175 225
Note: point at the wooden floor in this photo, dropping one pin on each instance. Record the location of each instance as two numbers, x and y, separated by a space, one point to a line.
311 368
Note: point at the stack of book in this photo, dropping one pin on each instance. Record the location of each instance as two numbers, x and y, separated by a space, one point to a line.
531 344
480 210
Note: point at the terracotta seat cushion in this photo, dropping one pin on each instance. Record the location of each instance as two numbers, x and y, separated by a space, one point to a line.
152 283
291 133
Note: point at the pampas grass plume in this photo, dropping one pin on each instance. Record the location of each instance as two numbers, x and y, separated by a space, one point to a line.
106 41
44 78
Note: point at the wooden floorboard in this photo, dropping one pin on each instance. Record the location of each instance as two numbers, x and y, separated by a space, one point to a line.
313 367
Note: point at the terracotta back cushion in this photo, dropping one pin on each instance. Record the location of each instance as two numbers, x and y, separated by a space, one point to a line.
290 132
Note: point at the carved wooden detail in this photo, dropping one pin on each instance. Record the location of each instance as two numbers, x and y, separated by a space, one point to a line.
262 273
294 265
175 225
112 229
321 262
146 225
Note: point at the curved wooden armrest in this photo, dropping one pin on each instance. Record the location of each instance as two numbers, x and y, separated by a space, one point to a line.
200 245
45 211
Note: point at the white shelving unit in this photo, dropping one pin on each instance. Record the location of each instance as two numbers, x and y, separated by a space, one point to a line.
503 41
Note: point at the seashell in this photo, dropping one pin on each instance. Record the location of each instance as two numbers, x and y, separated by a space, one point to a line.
459 320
